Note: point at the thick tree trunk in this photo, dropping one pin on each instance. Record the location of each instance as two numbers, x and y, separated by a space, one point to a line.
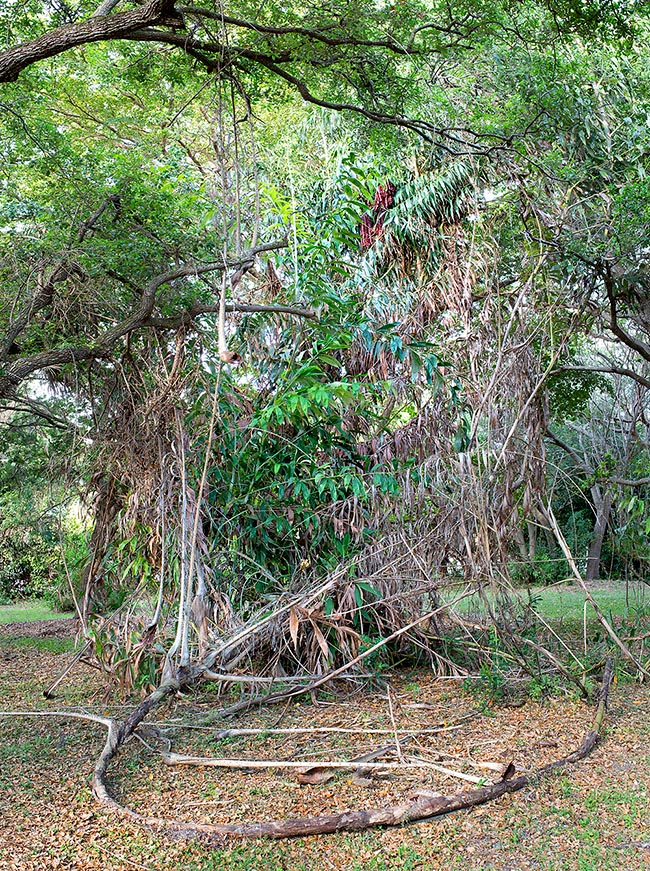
603 505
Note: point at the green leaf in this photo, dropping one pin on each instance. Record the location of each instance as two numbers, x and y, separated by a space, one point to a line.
368 588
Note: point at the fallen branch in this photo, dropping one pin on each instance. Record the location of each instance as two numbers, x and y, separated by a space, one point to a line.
321 772
177 759
317 730
70 715
365 762
423 808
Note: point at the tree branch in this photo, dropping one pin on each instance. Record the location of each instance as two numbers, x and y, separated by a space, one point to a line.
630 482
41 299
609 370
91 222
202 52
190 314
577 459
95 29
38 409
103 345
614 325
105 8
317 36
138 26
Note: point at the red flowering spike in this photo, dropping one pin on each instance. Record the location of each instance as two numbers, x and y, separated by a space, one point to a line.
367 228
384 196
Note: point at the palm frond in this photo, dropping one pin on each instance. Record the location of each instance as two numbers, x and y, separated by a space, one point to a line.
435 199
409 236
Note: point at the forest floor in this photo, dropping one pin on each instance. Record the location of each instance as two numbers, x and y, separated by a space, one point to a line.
592 817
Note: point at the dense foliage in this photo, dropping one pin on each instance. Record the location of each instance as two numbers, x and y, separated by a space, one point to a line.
426 224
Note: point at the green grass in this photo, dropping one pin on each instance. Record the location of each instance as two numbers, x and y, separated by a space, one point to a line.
22 612
555 603
567 602
31 750
49 645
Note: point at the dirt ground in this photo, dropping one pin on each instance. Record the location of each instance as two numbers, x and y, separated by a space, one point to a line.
62 627
595 815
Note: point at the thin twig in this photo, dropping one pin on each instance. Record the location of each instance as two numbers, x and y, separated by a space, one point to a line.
625 650
398 748
315 730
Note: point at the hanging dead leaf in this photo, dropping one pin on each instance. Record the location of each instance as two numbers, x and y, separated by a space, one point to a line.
294 622
324 646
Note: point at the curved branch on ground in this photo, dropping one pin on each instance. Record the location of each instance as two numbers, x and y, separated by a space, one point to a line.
410 811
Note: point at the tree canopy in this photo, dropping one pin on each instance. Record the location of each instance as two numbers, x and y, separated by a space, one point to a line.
286 289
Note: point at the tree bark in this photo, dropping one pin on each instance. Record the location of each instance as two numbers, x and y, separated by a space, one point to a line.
95 29
603 505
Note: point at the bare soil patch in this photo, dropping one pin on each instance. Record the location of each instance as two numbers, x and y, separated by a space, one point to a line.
61 627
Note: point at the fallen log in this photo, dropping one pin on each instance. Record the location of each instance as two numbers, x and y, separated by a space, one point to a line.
422 808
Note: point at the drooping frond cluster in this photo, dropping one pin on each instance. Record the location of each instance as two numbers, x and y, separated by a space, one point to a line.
406 242
432 200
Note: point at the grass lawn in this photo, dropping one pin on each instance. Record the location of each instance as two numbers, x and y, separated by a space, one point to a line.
28 611
566 602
